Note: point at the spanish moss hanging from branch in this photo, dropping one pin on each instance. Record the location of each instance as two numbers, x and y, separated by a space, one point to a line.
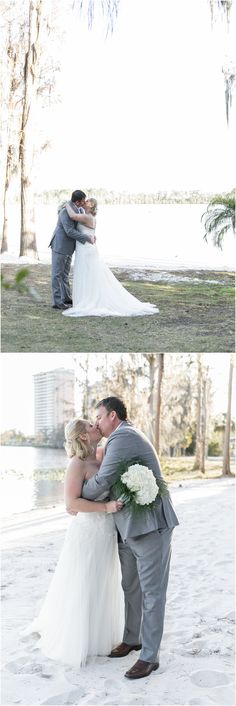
220 10
109 10
217 6
229 80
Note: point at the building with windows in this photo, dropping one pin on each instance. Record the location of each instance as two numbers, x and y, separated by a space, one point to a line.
54 399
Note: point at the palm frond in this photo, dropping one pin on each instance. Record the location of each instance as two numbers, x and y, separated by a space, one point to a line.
224 200
219 218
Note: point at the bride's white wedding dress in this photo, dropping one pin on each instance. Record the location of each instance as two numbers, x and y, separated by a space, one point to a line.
96 291
83 612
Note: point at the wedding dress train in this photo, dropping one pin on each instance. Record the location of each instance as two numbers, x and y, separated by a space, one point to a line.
83 612
96 291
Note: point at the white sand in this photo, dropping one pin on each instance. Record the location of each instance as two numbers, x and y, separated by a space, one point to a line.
197 649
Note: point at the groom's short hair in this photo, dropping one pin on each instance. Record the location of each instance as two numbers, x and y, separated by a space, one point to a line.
113 404
77 196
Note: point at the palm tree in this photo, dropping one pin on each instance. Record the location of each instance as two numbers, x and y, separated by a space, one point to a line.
219 217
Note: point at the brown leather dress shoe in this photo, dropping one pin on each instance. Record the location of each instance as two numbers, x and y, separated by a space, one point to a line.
123 649
141 669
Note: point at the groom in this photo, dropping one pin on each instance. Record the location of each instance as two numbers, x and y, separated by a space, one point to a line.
144 540
63 244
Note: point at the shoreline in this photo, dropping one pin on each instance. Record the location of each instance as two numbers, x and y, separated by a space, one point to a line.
55 506
178 485
129 266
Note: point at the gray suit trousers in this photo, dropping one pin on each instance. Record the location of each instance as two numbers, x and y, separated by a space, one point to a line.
60 277
145 563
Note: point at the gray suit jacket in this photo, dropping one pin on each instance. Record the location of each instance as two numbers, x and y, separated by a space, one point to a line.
124 444
66 233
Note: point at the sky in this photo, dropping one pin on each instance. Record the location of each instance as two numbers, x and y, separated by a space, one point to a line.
142 110
18 391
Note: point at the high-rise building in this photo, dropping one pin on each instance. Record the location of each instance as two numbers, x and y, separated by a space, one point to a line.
53 399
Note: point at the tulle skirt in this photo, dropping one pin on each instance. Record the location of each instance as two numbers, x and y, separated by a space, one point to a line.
83 613
97 292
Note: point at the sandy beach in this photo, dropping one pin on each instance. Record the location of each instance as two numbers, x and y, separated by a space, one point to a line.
196 662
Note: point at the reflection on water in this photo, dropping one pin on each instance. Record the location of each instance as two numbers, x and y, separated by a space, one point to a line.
23 459
31 478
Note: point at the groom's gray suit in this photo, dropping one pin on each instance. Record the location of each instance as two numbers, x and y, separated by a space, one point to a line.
63 244
145 545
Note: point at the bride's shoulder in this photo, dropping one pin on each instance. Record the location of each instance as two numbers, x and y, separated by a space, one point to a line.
76 466
90 221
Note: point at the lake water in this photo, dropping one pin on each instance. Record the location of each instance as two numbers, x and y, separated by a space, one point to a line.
31 478
163 236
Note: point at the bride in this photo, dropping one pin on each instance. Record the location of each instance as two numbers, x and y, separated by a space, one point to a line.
83 613
96 291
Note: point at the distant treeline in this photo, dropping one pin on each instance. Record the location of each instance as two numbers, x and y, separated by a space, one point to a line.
53 439
114 197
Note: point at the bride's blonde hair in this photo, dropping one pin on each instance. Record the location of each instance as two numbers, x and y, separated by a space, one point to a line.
94 205
74 445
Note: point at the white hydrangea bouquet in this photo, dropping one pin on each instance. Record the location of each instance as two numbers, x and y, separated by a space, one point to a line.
137 486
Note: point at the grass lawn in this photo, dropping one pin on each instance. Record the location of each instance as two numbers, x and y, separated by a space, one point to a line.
181 468
192 317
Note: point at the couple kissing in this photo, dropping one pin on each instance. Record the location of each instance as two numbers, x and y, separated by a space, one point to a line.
95 289
86 613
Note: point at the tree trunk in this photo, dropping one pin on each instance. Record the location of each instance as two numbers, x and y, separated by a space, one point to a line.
158 405
28 238
197 461
4 243
85 410
226 451
201 416
151 360
10 111
202 440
